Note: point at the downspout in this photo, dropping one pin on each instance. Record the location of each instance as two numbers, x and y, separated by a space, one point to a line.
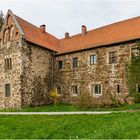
52 70
21 68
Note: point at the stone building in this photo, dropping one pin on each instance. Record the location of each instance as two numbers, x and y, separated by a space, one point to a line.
32 62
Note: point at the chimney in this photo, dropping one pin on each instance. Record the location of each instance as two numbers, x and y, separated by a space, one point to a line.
67 35
43 28
84 29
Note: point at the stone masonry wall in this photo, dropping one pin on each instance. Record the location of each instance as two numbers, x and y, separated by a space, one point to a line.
36 74
10 45
85 75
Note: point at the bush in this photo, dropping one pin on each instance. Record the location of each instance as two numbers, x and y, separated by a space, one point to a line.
84 100
136 97
54 97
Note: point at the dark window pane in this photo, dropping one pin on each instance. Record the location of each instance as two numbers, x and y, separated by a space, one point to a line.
7 90
58 90
10 63
96 89
75 62
60 64
5 65
138 88
118 88
74 89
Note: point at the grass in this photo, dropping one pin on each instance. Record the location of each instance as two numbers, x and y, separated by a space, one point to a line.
68 107
113 126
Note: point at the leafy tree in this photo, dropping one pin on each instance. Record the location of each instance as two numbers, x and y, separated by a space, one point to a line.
1 19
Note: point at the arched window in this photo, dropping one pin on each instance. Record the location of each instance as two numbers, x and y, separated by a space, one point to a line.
12 32
6 36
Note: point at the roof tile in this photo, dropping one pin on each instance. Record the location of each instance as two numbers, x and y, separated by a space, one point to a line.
110 34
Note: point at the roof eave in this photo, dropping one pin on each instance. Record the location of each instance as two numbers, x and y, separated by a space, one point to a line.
40 45
78 50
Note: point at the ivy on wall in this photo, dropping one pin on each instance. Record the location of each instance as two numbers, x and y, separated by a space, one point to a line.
133 75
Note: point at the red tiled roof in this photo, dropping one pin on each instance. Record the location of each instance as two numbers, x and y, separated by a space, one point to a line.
35 35
114 33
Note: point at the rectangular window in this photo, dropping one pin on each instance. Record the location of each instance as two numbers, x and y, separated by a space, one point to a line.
75 62
5 63
8 62
118 88
60 65
93 59
96 89
112 57
7 90
74 90
138 88
58 88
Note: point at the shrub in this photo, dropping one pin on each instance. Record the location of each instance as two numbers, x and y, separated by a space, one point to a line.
114 101
54 97
84 100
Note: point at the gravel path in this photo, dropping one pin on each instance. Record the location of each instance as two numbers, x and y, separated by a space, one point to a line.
61 113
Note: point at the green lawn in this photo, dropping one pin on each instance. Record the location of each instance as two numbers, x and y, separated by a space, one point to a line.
122 125
68 107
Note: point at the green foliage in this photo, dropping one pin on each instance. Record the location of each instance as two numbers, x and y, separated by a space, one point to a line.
114 101
69 107
54 97
1 19
85 101
133 76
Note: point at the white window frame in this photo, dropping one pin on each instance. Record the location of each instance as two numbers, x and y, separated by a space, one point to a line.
94 62
93 89
72 93
57 90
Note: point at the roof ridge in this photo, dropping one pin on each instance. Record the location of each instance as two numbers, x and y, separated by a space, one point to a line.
114 23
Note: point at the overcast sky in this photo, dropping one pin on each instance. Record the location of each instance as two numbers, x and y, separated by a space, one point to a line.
62 16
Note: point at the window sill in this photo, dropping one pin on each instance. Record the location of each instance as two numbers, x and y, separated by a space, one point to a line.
58 95
97 95
74 95
112 63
